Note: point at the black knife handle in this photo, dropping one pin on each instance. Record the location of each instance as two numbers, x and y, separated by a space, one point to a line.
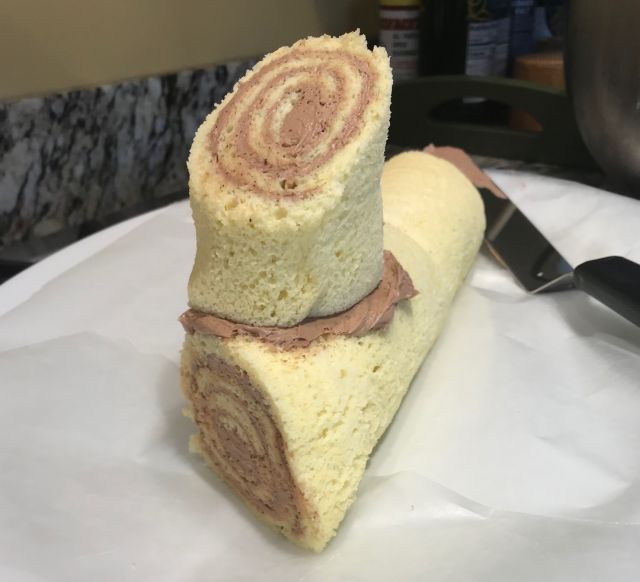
614 281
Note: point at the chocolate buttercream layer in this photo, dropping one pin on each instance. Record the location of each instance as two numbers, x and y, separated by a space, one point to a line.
239 438
461 160
290 118
372 312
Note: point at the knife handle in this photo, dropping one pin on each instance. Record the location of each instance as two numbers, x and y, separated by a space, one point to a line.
614 281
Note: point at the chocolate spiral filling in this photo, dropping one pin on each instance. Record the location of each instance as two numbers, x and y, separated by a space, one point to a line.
239 438
290 118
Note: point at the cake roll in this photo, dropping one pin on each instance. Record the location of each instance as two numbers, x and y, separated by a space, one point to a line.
284 182
288 417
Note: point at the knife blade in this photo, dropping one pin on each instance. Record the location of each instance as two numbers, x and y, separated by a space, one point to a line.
538 266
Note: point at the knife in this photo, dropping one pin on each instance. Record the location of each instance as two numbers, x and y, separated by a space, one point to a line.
539 267
535 263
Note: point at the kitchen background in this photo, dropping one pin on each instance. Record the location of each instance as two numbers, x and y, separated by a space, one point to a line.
99 101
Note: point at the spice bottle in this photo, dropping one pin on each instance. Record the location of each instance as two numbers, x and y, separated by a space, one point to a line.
400 35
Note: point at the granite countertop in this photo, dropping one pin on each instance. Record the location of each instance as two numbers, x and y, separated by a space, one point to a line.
72 163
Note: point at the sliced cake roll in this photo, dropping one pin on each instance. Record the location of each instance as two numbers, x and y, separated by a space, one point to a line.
284 185
289 417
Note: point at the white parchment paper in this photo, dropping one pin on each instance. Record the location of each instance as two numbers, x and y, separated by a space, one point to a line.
515 455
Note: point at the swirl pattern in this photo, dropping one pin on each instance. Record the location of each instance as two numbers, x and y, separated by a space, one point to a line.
240 440
289 119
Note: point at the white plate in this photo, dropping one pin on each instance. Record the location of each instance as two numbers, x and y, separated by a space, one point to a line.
513 457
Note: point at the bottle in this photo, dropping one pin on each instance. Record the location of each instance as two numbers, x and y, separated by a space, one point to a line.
400 35
488 25
521 41
466 37
549 24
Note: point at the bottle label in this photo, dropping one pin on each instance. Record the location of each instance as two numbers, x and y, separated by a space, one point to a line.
487 38
480 48
399 34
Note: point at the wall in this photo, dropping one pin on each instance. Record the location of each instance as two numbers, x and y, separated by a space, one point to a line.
57 45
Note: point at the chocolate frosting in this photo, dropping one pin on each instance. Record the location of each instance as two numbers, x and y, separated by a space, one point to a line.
240 439
461 160
267 147
372 312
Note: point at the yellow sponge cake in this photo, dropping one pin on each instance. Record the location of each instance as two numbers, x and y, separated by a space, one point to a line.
284 180
290 426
